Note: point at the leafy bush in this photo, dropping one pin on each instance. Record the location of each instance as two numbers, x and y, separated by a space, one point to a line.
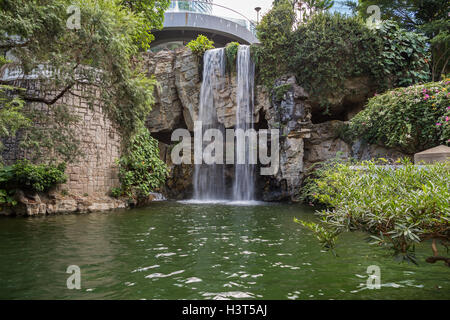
231 51
30 177
330 48
200 45
274 33
141 171
410 119
40 177
399 206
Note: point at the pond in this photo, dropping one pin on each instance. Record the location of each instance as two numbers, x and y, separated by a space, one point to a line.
176 250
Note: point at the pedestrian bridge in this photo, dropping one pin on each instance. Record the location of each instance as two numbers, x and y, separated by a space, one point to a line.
183 25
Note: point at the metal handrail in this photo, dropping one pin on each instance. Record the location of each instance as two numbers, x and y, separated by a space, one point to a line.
253 25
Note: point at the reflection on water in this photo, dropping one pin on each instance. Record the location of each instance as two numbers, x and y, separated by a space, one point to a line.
200 251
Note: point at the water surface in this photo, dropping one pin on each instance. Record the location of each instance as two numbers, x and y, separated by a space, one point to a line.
194 251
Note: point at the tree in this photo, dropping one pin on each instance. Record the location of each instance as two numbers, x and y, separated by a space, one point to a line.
100 54
429 17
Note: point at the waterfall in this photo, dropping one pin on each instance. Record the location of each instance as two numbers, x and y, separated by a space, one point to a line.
209 180
244 177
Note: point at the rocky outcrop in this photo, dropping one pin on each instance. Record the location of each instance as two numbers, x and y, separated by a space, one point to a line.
325 144
288 107
167 111
345 104
38 204
289 112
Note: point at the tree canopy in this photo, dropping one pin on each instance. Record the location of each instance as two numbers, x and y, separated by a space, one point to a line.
429 17
101 53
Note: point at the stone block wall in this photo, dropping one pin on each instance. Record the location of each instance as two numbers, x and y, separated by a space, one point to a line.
94 173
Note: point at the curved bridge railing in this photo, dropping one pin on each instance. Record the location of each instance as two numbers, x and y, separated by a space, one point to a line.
217 10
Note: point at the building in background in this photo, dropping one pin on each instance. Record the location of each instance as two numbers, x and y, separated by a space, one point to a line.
204 6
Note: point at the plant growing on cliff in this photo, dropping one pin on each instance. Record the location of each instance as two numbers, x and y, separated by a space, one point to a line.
200 45
330 48
398 207
409 119
429 17
231 51
141 171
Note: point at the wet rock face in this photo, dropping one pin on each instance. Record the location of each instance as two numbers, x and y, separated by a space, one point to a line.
188 84
289 112
167 111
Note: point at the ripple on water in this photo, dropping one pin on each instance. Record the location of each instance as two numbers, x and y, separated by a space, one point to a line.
146 268
162 275
193 280
228 295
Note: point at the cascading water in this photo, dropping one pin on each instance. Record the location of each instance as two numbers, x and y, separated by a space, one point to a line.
209 180
244 177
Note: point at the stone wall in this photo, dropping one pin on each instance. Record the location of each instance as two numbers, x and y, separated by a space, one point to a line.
95 171
92 175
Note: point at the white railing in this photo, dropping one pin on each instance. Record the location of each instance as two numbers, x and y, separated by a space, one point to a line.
209 8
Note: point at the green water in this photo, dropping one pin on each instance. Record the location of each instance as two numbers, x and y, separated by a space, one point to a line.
180 251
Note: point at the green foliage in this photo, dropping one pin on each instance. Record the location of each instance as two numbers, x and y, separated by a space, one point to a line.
280 91
141 170
110 37
310 7
200 45
7 198
116 192
410 119
330 48
26 176
274 33
153 13
430 17
231 51
404 55
12 117
326 237
398 206
310 189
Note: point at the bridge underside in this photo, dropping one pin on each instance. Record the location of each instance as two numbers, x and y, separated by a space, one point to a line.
186 35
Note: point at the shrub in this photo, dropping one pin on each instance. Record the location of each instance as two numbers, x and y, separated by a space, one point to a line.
231 51
410 119
274 33
141 171
40 177
398 206
30 177
330 48
200 45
